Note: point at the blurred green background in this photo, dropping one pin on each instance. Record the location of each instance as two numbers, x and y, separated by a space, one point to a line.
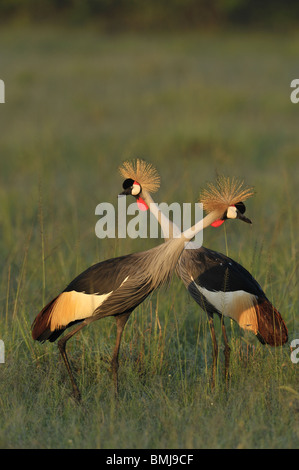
156 15
198 89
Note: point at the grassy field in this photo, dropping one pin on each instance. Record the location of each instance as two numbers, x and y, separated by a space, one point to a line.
77 104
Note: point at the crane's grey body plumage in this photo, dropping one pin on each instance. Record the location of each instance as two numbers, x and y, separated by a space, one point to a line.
144 272
220 285
126 280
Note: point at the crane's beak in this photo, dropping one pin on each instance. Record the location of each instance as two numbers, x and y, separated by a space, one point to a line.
241 216
126 192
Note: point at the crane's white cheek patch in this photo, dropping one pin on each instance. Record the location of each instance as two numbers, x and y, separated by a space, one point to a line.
238 305
231 212
72 306
135 190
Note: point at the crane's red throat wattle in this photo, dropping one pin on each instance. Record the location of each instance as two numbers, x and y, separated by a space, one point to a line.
142 204
217 223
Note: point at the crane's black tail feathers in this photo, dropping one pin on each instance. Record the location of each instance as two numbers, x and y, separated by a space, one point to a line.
41 326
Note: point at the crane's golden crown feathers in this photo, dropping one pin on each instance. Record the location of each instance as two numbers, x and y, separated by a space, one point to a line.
224 193
144 173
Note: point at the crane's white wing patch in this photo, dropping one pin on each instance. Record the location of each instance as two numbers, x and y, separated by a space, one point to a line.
73 305
238 305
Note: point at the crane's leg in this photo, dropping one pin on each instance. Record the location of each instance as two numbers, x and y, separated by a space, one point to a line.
61 346
121 321
215 350
226 348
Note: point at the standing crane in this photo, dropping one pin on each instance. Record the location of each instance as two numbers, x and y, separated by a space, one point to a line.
115 287
216 282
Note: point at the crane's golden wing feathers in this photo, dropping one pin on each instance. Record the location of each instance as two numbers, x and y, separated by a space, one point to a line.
224 193
144 173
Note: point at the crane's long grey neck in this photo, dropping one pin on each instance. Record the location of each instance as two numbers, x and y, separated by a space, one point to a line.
170 229
162 259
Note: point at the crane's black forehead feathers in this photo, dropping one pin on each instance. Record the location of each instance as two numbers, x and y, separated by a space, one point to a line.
128 183
241 207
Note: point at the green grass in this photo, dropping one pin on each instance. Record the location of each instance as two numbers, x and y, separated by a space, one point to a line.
77 104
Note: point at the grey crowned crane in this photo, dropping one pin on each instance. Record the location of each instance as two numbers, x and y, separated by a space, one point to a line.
216 282
114 287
